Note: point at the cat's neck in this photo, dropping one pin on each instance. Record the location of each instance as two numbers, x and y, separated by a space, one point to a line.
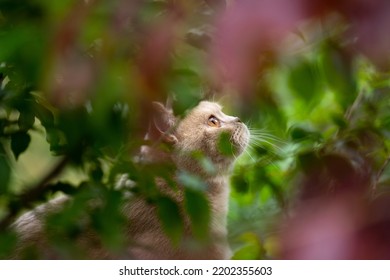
217 182
218 192
207 169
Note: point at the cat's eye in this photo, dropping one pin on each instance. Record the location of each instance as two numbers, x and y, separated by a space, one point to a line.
213 122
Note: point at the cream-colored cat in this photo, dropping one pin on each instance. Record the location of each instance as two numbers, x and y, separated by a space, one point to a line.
199 131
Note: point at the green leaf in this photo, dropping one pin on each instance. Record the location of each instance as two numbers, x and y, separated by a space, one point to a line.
44 115
198 209
8 241
205 162
339 73
171 220
19 143
95 171
192 181
251 248
265 194
225 147
305 81
240 183
26 120
5 171
53 137
63 187
340 121
109 222
299 134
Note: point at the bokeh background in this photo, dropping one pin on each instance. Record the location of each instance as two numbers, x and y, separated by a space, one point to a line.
309 77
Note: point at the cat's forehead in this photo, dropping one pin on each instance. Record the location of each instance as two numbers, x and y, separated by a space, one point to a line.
208 106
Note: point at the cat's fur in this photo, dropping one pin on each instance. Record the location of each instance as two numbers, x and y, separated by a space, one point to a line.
145 234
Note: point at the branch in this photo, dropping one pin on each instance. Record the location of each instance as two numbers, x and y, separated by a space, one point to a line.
355 105
33 193
379 175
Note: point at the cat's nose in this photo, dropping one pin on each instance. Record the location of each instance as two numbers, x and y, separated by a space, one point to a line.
237 119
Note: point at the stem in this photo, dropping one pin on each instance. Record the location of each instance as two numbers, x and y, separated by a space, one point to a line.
355 105
379 174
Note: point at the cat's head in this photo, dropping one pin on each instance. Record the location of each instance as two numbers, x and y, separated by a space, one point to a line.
205 130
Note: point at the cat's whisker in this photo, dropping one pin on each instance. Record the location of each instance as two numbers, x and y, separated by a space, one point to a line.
271 162
268 136
251 150
256 134
251 129
270 139
247 152
260 143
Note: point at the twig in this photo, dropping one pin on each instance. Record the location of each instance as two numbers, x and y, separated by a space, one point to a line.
355 105
26 199
379 175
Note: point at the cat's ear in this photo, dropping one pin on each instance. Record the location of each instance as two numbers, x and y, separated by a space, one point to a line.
163 123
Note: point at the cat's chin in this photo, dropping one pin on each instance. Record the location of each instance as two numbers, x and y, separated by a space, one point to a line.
240 139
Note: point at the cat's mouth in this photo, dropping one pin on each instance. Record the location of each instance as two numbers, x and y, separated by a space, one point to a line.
240 138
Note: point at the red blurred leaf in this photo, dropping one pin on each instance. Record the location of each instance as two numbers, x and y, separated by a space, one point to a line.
245 31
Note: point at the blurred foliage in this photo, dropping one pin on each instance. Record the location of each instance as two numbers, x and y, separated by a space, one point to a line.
77 78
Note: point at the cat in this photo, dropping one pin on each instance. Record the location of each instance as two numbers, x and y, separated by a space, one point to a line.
198 132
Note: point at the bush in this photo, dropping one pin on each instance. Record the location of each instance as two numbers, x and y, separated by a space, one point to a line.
77 78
